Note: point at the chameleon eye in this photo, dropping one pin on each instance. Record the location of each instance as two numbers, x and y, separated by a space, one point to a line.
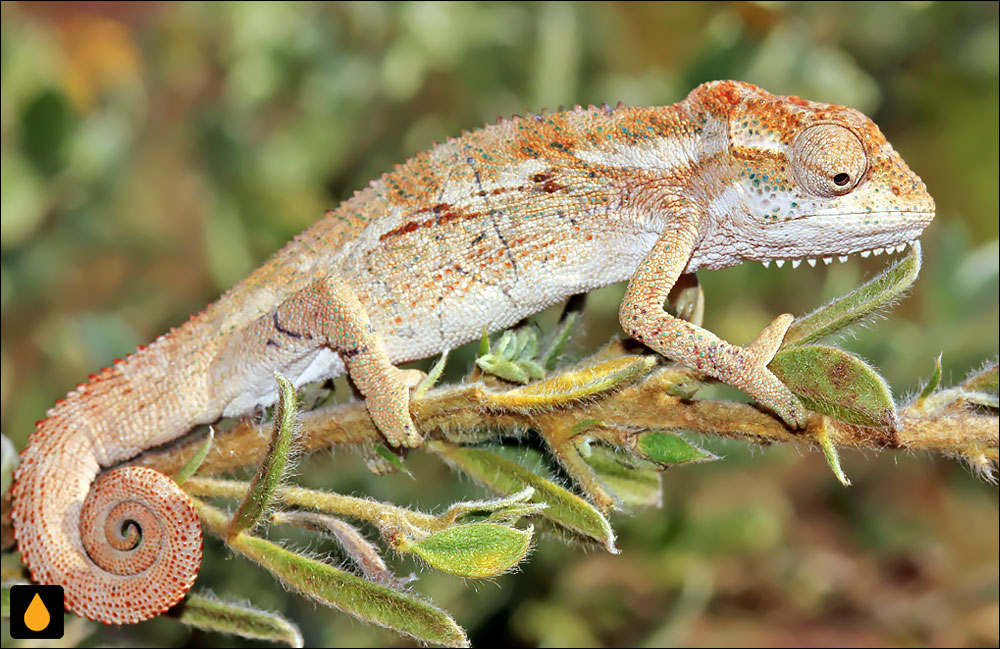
829 160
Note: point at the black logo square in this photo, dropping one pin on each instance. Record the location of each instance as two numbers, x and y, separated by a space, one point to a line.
36 612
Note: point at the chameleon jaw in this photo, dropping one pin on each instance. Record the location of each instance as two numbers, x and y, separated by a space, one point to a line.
778 262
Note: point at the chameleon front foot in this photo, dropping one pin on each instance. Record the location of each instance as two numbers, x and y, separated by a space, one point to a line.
761 384
643 317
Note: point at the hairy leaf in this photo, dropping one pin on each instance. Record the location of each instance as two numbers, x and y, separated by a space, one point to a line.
836 383
359 550
832 456
669 449
209 613
365 600
567 327
984 380
272 469
573 385
194 463
393 461
513 359
635 481
843 311
472 550
507 510
432 377
932 383
504 476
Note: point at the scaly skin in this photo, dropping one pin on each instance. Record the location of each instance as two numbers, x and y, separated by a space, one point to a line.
477 232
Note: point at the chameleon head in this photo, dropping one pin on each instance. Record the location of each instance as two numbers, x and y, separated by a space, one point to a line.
810 180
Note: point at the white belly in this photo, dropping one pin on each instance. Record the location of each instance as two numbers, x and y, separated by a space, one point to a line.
262 390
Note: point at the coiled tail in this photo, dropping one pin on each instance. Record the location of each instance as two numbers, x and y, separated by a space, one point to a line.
125 545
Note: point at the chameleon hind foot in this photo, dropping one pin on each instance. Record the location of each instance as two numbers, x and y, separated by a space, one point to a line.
328 312
389 404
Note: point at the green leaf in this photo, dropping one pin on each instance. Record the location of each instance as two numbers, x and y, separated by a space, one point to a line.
484 343
932 383
505 369
635 481
432 377
272 469
208 613
984 380
507 340
876 293
670 449
506 477
561 338
507 510
527 344
572 385
838 384
513 357
832 456
367 601
473 550
391 458
360 550
533 369
987 399
194 462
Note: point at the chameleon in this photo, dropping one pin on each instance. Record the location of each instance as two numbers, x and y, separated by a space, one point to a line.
475 233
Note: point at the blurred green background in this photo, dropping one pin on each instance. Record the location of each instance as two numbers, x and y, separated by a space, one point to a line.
153 154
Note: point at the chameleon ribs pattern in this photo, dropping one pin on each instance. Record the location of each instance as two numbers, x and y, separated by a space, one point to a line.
478 232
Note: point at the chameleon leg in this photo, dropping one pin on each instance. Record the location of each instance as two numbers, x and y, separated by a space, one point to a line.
643 317
328 312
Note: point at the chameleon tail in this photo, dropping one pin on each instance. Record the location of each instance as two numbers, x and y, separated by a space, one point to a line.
125 547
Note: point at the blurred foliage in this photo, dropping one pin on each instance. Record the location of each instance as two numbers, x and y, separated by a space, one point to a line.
153 153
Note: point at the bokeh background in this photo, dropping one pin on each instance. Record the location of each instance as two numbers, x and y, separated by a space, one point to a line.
152 154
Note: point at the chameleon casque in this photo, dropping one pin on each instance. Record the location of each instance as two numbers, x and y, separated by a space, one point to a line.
478 232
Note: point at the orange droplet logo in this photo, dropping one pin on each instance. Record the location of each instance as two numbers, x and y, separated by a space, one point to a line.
36 616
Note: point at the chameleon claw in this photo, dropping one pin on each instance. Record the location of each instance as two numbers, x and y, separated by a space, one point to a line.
774 395
398 433
793 413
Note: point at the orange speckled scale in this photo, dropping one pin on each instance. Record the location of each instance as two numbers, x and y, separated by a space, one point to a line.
477 232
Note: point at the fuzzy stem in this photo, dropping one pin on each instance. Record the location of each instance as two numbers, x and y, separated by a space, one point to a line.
372 511
466 412
453 411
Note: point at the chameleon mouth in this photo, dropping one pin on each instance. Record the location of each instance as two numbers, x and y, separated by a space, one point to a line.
889 250
828 236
